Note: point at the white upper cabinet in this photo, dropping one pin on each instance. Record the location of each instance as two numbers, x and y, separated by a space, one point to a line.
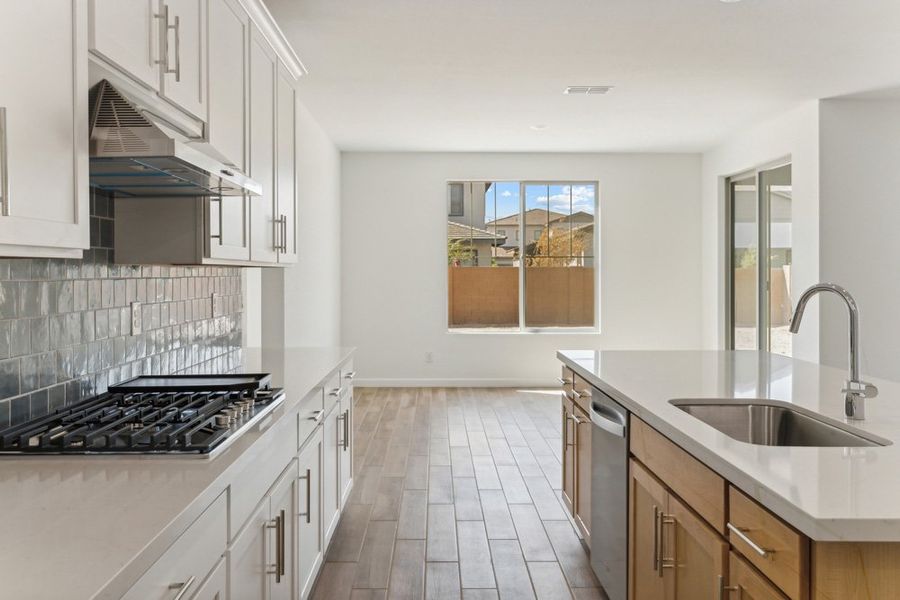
126 34
44 201
229 34
183 40
263 225
286 192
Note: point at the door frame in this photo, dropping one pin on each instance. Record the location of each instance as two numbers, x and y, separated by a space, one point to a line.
762 237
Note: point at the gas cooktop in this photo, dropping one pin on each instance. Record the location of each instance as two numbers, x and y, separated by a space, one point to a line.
195 415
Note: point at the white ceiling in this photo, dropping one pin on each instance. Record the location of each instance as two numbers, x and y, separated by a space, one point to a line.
475 75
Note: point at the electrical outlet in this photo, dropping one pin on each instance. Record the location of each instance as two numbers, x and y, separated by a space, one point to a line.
429 357
213 304
137 320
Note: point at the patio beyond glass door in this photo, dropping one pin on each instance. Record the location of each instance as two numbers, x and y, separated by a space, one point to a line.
760 260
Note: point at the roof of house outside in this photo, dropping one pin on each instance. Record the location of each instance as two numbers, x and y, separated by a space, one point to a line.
577 217
533 216
457 231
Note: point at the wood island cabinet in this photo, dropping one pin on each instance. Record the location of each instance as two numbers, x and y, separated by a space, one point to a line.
576 455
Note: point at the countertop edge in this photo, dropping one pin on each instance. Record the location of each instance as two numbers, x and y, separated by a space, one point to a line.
818 530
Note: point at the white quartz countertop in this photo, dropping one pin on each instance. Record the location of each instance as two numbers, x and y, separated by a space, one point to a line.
830 494
88 527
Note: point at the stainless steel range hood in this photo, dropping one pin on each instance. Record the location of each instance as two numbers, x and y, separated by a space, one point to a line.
131 155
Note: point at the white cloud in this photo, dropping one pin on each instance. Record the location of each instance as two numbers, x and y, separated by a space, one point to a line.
506 193
582 199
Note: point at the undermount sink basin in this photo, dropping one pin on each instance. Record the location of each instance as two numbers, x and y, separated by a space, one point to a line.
772 423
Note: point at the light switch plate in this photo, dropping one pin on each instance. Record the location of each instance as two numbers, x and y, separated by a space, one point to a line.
213 301
137 321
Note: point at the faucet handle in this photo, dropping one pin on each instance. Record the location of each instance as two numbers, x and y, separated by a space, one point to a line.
861 389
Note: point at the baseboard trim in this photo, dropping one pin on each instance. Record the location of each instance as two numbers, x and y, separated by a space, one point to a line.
461 382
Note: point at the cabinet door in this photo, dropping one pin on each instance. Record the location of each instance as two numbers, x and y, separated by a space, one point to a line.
43 127
568 466
648 502
583 473
249 555
346 447
229 36
287 167
216 585
282 543
744 583
693 551
126 34
310 546
262 149
330 472
183 80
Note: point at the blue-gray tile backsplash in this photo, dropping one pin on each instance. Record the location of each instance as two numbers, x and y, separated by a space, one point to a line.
65 325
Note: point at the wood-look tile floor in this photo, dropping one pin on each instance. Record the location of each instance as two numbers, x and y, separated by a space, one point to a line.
456 495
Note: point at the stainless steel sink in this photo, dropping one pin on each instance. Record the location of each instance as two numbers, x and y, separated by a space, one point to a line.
772 423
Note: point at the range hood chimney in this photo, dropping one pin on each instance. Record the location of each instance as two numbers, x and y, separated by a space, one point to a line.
133 156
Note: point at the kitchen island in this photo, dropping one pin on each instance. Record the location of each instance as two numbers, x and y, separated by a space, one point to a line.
835 509
124 526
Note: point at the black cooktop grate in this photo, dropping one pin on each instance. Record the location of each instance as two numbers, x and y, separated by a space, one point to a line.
176 421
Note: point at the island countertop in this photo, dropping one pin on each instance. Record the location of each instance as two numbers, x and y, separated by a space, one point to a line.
89 526
830 494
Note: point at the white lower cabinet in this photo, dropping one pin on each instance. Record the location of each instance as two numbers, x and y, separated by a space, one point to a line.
277 552
310 541
261 558
216 585
188 560
331 500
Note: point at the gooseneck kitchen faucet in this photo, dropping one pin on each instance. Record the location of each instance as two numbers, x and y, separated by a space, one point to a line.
855 391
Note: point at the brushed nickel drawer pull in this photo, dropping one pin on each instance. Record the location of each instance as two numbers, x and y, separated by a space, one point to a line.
336 392
667 562
308 479
182 587
317 415
728 588
742 535
656 539
350 375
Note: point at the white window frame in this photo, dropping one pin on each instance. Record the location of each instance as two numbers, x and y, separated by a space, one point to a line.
521 232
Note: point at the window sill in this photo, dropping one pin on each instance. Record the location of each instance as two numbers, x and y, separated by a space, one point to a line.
527 331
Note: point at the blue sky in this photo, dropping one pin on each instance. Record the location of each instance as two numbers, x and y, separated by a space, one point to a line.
538 196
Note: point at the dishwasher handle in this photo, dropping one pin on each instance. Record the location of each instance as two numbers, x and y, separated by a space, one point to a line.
608 419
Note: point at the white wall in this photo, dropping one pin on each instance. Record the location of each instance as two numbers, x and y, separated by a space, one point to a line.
394 263
300 305
794 134
860 221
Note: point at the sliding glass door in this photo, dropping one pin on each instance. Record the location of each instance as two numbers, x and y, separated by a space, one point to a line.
760 257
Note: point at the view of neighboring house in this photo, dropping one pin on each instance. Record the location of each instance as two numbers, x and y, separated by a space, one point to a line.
470 246
536 220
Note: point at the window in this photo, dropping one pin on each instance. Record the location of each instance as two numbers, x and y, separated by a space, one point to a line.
760 257
543 276
456 193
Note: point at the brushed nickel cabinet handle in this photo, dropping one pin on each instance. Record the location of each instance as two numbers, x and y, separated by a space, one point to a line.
278 526
728 588
350 375
667 562
4 171
218 236
346 429
656 514
308 512
177 49
164 48
317 415
182 587
336 392
742 535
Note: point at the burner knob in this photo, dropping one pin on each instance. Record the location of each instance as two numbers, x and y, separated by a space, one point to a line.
222 420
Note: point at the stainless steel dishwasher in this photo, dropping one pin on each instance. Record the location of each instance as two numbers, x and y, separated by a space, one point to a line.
609 494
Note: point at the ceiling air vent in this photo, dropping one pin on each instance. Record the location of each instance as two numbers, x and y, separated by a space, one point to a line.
587 90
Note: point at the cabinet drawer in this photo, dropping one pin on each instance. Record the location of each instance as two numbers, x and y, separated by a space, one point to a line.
749 583
694 482
773 547
333 390
189 559
312 411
